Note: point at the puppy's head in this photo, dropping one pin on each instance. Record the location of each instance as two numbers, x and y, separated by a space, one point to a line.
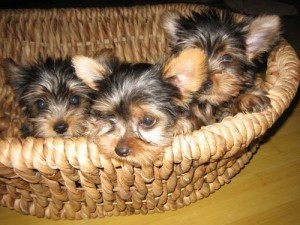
52 97
139 107
232 44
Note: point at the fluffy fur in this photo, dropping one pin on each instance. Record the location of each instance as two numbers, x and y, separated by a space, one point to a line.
234 47
139 108
55 101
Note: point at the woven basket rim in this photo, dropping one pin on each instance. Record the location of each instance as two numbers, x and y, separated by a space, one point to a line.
285 86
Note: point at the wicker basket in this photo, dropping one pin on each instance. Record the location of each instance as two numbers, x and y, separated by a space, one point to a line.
69 178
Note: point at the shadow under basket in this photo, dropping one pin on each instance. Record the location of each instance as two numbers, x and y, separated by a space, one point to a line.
69 178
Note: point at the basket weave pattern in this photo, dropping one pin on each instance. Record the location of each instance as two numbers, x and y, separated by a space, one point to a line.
70 178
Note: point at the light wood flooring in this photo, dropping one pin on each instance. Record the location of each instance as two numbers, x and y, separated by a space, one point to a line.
267 191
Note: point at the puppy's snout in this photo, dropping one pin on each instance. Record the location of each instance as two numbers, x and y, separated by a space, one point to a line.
122 151
61 127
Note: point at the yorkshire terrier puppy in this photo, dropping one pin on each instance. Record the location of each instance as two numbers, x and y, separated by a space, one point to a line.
234 47
53 99
139 108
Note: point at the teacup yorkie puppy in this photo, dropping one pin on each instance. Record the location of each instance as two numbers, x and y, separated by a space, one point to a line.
139 107
234 47
54 101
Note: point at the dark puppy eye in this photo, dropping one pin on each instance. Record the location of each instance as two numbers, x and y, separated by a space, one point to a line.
147 121
207 84
75 100
41 104
226 58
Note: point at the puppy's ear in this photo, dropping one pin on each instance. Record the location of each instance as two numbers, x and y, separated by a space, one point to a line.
105 55
14 75
263 33
187 71
170 23
92 70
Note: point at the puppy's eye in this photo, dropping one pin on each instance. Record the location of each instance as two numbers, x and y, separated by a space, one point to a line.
41 104
75 100
207 84
147 121
226 58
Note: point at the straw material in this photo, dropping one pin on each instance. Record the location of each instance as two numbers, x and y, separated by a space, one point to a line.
70 178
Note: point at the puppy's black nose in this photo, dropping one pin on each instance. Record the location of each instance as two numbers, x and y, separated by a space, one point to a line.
122 151
60 127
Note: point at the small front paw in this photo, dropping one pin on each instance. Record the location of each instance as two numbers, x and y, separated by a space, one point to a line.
253 103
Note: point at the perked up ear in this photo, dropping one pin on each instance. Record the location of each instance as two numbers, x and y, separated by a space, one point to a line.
170 24
88 70
187 71
91 70
14 75
263 33
105 55
11 68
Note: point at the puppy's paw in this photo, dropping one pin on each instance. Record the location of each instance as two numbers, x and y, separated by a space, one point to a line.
253 102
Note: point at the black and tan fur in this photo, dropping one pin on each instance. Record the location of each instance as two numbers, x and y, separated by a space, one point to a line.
139 108
53 99
234 48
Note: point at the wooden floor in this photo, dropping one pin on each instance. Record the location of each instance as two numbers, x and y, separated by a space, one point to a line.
267 191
